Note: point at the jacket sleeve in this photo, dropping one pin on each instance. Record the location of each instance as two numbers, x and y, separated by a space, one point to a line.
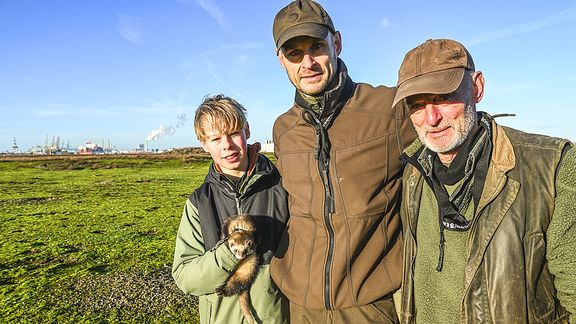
561 235
275 131
196 271
406 132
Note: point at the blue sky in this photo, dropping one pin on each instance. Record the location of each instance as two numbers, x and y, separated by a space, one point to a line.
120 71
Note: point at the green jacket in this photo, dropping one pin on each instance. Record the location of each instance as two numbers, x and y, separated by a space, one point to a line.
512 273
198 270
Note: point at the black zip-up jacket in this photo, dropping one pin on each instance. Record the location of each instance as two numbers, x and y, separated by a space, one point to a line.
202 263
259 194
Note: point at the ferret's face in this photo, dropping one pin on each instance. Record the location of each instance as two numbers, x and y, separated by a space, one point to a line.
240 245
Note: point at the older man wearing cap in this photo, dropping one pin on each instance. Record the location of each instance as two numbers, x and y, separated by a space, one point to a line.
338 153
488 211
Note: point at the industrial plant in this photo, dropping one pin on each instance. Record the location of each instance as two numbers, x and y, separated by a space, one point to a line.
57 147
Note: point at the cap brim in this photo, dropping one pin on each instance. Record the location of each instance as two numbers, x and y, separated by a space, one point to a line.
438 82
306 29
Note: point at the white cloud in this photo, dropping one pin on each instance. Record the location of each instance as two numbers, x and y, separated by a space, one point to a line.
243 58
212 71
157 107
68 111
227 49
560 17
385 23
214 11
130 28
231 57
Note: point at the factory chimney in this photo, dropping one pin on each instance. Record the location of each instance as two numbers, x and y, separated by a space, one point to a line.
15 149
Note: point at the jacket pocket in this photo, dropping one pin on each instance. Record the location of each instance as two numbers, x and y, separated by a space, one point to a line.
205 309
362 177
299 176
540 283
293 269
270 305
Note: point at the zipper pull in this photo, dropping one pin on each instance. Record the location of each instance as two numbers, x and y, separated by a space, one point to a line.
327 192
331 205
238 208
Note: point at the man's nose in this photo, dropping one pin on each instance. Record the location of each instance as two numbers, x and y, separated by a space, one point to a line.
432 115
308 61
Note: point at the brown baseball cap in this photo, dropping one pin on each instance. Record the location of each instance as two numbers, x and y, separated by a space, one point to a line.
301 18
437 67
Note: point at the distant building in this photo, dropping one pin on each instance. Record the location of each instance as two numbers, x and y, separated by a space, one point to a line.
15 149
267 147
90 148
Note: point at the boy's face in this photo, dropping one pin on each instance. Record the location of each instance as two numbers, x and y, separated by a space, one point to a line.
229 151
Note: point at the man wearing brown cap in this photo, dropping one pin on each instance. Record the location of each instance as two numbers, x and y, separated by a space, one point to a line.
338 153
488 211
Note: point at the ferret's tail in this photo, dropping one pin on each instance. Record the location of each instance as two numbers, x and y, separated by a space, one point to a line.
244 299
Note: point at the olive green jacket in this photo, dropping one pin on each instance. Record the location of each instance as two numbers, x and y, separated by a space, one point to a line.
507 277
199 272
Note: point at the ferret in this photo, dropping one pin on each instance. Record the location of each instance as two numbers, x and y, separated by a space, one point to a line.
238 233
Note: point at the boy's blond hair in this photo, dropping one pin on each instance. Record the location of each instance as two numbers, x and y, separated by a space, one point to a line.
220 113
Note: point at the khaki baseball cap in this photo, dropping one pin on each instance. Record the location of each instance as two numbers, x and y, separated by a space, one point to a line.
436 67
301 18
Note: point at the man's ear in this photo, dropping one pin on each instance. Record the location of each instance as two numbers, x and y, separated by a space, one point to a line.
478 81
337 42
281 58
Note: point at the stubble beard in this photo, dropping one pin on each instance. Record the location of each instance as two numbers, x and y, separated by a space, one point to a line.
462 128
310 89
316 88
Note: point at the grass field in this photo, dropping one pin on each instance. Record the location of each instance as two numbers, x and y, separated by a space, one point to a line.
90 239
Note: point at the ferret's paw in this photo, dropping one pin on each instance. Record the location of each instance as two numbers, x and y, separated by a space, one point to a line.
223 291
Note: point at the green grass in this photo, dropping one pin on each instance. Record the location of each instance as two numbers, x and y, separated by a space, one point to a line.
82 238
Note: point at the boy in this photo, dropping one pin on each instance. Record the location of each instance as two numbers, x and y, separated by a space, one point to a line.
239 181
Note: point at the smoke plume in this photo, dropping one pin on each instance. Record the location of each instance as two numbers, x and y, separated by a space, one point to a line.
166 130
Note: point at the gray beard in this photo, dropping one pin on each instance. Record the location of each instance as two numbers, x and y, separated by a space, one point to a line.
470 120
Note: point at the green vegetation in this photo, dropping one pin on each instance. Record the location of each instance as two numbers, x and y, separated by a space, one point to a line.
90 239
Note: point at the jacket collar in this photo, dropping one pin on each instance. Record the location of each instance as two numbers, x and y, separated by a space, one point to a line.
503 157
215 171
339 91
502 161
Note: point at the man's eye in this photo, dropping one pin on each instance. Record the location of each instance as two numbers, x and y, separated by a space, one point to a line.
294 54
442 98
317 46
415 106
